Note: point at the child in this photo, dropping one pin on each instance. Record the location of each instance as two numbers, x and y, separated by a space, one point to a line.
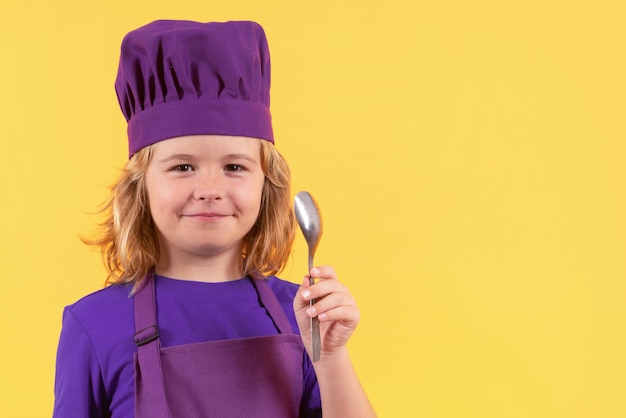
194 322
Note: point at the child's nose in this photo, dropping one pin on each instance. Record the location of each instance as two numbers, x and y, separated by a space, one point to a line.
209 186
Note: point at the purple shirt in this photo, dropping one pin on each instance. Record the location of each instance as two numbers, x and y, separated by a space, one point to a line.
95 371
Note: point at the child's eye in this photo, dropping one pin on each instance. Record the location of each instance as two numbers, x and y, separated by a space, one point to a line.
233 167
182 167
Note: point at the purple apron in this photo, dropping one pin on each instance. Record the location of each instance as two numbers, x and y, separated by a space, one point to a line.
244 377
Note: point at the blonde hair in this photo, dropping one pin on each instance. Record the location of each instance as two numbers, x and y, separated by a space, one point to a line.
128 239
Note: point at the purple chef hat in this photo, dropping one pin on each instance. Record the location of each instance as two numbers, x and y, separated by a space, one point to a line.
179 78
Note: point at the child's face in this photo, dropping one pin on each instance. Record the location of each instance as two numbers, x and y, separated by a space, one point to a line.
204 193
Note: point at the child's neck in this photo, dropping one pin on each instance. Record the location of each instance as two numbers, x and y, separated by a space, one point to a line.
214 269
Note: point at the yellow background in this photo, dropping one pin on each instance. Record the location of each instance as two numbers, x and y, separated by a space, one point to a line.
468 157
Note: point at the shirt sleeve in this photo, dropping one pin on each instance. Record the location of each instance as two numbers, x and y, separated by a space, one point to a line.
78 387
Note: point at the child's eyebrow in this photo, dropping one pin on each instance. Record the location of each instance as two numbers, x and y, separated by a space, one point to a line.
185 157
240 156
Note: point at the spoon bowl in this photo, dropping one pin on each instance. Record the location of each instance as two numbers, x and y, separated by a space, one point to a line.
309 219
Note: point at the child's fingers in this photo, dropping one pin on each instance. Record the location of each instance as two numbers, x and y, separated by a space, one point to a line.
303 295
323 288
327 301
333 306
323 272
347 315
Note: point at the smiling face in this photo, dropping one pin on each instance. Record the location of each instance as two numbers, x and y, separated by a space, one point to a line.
204 193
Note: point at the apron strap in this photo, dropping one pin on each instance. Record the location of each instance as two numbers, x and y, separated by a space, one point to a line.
151 383
269 300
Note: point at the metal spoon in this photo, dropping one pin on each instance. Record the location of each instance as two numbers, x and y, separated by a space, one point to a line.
310 221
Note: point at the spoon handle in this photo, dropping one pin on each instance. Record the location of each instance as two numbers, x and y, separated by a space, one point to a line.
315 322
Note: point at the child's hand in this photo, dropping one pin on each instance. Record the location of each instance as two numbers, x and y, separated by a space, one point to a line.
335 308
